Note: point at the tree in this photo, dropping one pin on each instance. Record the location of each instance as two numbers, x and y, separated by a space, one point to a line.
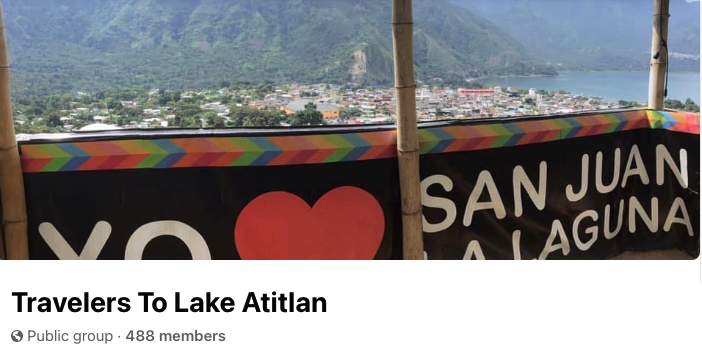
308 94
246 116
629 104
85 118
87 100
213 120
307 117
219 122
266 87
54 120
350 113
691 106
687 106
54 102
186 110
165 97
190 122
674 104
113 104
624 103
35 109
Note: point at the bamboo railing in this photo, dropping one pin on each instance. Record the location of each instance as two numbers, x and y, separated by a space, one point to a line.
14 211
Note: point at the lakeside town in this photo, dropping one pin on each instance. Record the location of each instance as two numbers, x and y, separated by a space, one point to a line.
246 105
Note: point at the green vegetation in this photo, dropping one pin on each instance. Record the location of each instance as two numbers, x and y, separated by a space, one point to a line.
307 117
63 46
631 104
134 108
687 106
351 113
250 117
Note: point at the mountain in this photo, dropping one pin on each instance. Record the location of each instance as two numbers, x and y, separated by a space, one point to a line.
594 34
68 45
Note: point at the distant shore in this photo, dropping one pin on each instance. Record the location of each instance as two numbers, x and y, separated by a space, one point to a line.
611 85
511 76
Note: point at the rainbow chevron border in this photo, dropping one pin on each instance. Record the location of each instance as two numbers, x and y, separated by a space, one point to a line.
478 137
331 148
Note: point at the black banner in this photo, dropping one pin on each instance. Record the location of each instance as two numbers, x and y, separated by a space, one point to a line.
633 198
585 198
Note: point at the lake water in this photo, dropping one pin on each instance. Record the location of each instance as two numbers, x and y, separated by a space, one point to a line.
610 85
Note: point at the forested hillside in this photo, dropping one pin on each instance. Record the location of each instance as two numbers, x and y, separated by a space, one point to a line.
68 45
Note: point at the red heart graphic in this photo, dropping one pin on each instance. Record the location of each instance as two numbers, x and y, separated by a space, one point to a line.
345 224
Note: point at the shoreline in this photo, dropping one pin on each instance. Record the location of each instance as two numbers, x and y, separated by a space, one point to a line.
572 71
512 76
611 85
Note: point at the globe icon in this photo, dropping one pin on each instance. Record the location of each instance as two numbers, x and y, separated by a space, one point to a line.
17 336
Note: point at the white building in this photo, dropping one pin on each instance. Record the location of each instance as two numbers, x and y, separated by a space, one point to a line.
99 127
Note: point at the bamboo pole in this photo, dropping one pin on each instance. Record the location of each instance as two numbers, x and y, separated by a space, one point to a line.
407 132
2 246
14 210
659 55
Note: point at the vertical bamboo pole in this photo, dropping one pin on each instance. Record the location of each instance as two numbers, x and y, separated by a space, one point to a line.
2 246
659 55
14 210
407 133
